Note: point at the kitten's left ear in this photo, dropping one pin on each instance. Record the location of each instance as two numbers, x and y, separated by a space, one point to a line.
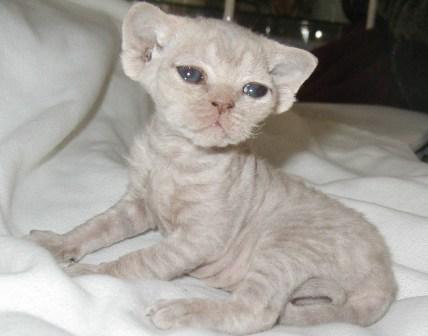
289 68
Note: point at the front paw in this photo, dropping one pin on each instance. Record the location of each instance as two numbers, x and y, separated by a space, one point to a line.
57 245
167 314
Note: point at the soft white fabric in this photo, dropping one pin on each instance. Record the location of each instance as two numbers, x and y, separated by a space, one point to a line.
67 117
409 127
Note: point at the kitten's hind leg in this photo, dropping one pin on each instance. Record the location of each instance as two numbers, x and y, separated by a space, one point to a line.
254 306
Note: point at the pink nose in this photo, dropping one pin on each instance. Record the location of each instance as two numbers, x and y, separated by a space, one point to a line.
223 106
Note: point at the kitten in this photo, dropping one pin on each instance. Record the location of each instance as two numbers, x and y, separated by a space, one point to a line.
287 253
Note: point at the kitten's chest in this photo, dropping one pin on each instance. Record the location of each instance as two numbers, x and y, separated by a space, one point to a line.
161 193
172 197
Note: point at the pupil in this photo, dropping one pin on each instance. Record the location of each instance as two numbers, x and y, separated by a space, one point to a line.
190 74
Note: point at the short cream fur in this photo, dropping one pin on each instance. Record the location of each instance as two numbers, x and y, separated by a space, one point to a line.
286 252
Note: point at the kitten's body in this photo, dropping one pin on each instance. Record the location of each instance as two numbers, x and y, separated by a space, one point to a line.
263 219
284 250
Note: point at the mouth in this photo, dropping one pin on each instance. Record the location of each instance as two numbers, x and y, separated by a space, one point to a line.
212 126
217 124
218 127
214 130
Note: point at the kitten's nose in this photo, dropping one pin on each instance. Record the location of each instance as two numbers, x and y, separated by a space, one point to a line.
223 106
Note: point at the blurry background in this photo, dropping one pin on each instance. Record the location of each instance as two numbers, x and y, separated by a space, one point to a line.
385 65
304 23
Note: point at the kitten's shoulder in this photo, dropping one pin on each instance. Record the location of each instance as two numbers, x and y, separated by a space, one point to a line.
138 163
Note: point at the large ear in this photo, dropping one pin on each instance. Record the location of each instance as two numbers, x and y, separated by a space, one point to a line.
289 68
144 28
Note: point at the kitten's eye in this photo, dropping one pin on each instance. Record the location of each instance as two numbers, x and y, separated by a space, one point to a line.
190 74
255 90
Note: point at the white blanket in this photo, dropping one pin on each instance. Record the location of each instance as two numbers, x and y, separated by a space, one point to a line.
67 117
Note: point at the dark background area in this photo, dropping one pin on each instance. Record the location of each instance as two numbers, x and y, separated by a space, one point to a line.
386 65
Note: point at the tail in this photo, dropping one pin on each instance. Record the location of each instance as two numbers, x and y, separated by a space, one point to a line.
323 301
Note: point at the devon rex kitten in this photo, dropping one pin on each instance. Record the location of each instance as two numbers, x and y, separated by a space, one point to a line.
286 252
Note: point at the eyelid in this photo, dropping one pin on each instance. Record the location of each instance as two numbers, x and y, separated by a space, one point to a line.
193 67
260 83
267 83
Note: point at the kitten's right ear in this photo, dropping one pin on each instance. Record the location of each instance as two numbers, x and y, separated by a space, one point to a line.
144 28
289 68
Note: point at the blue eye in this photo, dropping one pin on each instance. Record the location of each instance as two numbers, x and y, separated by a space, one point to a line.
255 90
190 74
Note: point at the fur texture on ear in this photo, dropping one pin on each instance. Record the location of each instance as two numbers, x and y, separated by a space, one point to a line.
145 28
289 68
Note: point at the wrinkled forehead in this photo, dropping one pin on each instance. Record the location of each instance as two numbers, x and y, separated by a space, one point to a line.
225 50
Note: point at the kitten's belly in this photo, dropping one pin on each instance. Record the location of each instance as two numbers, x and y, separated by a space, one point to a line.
227 271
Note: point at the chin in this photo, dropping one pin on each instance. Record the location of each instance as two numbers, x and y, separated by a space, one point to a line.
210 143
214 138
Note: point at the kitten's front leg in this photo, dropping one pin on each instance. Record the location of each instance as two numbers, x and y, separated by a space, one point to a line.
176 255
123 220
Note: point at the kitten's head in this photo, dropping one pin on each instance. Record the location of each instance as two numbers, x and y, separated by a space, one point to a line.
214 82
